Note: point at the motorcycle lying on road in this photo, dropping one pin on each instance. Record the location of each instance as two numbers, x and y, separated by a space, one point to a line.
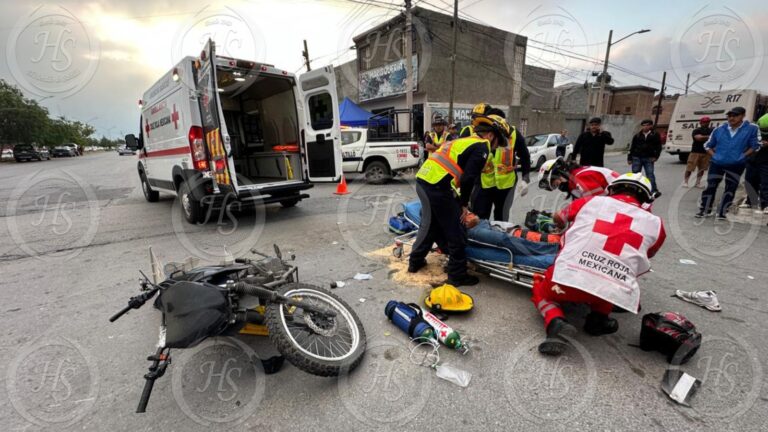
312 328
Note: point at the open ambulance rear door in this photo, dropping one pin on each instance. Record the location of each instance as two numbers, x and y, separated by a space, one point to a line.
321 129
213 141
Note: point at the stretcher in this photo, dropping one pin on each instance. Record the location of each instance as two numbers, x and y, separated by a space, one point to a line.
487 259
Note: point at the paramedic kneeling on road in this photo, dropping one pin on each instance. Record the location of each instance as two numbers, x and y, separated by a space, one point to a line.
607 246
457 164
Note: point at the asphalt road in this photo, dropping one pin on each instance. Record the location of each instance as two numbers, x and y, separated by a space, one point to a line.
75 233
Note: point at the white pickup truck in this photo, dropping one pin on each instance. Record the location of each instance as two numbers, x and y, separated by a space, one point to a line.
378 160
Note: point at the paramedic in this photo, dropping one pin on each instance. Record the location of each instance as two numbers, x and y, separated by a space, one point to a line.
575 180
608 244
457 165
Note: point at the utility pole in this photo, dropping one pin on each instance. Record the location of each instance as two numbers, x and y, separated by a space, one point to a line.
661 98
305 53
599 103
453 58
408 66
687 78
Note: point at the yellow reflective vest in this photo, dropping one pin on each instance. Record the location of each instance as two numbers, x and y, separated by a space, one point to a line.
445 161
438 140
499 171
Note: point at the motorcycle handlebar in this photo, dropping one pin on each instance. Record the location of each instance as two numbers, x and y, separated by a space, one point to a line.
148 384
119 314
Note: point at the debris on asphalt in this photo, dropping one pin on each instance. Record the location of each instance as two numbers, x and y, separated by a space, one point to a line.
363 276
334 243
362 300
679 386
387 333
687 261
705 299
750 277
337 284
431 275
453 375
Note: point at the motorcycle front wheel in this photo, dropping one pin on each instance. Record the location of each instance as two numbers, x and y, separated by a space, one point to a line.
324 346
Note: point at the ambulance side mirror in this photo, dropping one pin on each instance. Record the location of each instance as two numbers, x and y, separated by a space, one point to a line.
132 143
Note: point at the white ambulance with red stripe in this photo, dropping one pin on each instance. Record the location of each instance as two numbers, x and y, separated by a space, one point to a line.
215 130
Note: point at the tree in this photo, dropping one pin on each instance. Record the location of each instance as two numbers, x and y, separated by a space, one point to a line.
23 120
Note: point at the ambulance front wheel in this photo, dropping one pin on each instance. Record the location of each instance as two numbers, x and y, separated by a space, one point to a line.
190 207
149 194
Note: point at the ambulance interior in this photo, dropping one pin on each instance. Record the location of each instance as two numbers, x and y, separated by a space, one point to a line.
262 123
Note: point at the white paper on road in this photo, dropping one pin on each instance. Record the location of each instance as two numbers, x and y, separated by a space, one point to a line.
363 276
687 261
680 391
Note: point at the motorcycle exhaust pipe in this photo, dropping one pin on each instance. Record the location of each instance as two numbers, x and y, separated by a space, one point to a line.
257 291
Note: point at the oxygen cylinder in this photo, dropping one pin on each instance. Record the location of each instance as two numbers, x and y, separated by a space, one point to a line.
445 334
409 319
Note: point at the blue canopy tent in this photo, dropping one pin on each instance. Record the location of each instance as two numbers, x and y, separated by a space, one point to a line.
352 115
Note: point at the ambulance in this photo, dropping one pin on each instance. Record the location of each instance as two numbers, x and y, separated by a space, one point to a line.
690 108
217 130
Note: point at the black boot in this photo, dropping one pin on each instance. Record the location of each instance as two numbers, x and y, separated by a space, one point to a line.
415 266
465 280
556 343
598 324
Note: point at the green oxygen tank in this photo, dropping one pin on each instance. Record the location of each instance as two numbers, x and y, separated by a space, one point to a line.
445 334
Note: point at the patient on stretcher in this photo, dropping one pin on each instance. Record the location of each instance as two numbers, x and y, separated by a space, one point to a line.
504 238
524 252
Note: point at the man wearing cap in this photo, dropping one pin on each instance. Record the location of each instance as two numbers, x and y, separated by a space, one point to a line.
644 151
698 158
436 137
729 145
591 144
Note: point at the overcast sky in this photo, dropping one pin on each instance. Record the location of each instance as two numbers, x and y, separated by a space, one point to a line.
92 60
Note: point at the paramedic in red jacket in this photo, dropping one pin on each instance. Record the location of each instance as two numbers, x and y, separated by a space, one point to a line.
607 245
575 180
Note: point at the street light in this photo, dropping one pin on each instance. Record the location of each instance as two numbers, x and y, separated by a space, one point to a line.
598 105
688 77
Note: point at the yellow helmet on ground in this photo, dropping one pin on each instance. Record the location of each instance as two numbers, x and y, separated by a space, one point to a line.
448 298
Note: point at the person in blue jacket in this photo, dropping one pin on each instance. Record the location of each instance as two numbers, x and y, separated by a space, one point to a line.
729 145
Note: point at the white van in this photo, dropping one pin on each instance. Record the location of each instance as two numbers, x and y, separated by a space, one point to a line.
690 108
216 129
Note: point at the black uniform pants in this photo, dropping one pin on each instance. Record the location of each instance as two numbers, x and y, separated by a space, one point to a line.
440 223
498 200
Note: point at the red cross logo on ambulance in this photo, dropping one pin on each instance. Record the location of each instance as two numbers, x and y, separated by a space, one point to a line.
619 233
175 117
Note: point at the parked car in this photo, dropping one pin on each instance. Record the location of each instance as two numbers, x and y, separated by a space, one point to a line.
44 153
542 148
7 155
25 152
123 150
64 151
74 148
